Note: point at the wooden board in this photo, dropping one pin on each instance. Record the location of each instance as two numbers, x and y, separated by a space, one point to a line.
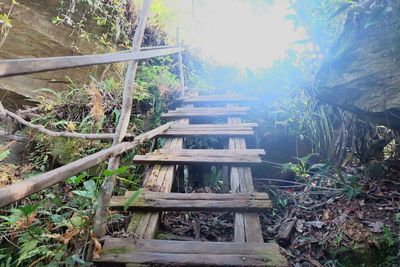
158 178
201 114
156 201
117 250
210 152
241 126
171 159
247 225
218 99
209 132
212 109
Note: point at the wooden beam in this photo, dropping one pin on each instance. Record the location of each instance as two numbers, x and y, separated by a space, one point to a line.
156 201
188 253
13 67
15 192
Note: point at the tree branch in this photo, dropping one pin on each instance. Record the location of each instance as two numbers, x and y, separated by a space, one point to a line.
42 129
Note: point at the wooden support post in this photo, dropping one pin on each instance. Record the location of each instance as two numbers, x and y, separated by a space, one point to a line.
109 182
181 75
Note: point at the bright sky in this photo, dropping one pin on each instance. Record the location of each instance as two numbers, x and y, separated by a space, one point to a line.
236 32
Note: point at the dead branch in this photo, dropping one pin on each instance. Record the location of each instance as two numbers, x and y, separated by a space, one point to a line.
48 132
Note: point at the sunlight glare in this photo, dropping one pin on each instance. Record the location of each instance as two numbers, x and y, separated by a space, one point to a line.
237 33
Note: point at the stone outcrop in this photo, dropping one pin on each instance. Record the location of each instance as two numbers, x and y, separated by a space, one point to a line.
362 73
34 35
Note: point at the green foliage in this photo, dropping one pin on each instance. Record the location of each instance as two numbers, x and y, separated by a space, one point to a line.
4 154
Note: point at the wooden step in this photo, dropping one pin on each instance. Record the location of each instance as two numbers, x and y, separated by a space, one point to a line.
210 152
223 130
201 156
204 99
240 126
158 201
213 109
189 253
205 112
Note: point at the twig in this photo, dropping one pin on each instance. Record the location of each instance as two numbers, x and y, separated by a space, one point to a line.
299 184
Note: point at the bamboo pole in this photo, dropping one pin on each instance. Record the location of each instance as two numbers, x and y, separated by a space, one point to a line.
109 183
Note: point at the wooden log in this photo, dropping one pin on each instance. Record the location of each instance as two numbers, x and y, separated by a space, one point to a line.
156 201
189 253
13 67
15 192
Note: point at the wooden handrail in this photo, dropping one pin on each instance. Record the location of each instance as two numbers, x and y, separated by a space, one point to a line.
13 67
18 191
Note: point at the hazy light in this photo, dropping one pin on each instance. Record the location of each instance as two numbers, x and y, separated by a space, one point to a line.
237 32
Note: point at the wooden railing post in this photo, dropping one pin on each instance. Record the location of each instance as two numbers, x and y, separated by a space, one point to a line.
181 77
109 183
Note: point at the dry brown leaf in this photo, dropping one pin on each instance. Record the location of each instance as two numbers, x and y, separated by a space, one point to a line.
65 238
97 247
96 102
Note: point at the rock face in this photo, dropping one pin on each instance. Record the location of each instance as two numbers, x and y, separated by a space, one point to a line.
362 73
34 35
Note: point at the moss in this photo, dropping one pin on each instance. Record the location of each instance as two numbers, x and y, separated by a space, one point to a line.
365 255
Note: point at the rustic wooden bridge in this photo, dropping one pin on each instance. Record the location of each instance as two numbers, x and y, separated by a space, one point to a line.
248 247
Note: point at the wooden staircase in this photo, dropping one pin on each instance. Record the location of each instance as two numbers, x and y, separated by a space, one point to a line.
248 247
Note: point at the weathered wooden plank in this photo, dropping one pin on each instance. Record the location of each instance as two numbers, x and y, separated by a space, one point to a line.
218 99
199 114
186 253
186 160
199 196
156 201
158 178
210 152
221 133
12 67
211 110
247 225
239 126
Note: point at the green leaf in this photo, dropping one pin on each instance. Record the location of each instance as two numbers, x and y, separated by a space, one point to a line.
28 209
76 179
4 154
90 185
135 195
5 20
121 170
